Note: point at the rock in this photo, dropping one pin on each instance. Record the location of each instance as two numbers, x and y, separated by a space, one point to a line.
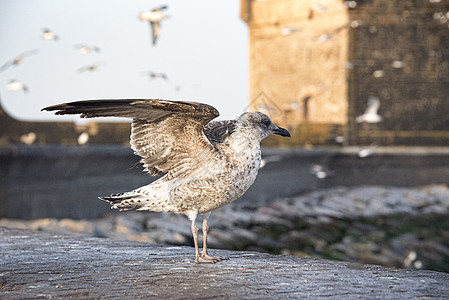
371 224
45 265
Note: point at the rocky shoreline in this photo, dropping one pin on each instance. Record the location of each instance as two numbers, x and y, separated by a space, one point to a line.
389 226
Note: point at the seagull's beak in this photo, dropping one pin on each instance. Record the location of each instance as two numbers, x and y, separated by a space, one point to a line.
282 132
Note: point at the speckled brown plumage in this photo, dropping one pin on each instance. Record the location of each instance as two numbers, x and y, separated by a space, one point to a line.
206 164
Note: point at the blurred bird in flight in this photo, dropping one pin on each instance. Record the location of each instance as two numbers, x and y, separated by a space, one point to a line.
370 115
49 35
18 59
15 85
154 75
155 16
90 68
85 49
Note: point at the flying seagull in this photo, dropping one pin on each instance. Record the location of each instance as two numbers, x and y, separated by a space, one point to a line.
47 34
153 75
15 85
207 164
155 16
85 49
18 59
370 115
90 68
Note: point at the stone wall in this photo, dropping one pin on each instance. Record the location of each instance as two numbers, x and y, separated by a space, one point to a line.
65 181
400 54
317 63
297 58
13 131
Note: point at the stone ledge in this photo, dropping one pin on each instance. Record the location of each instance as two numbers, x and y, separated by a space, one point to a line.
50 179
43 265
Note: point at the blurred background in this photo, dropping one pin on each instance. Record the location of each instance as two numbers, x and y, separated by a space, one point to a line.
362 86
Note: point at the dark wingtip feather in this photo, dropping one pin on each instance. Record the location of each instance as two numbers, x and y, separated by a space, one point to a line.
52 107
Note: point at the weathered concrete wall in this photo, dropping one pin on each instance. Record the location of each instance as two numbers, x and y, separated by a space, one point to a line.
41 265
64 182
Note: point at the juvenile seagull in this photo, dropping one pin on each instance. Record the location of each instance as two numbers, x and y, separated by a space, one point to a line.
155 16
206 164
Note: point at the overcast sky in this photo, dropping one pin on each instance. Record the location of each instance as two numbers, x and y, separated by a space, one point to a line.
203 49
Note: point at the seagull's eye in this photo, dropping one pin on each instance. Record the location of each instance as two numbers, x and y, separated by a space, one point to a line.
266 122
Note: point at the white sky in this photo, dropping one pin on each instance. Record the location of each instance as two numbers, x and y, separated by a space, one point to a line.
203 47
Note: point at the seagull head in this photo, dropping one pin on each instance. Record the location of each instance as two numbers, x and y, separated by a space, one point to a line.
262 123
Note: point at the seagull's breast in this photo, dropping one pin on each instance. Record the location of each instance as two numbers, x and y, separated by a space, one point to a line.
218 180
243 162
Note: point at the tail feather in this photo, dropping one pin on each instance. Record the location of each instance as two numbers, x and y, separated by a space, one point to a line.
116 198
125 201
136 199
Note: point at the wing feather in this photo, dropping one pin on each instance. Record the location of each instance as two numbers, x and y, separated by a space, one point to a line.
166 134
218 131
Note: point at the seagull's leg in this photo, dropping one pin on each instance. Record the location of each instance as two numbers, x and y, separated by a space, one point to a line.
195 235
198 257
205 228
204 252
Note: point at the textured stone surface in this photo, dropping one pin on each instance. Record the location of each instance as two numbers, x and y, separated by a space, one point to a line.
388 226
42 265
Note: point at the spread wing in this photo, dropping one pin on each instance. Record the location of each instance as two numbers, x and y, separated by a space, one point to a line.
6 65
168 135
28 53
